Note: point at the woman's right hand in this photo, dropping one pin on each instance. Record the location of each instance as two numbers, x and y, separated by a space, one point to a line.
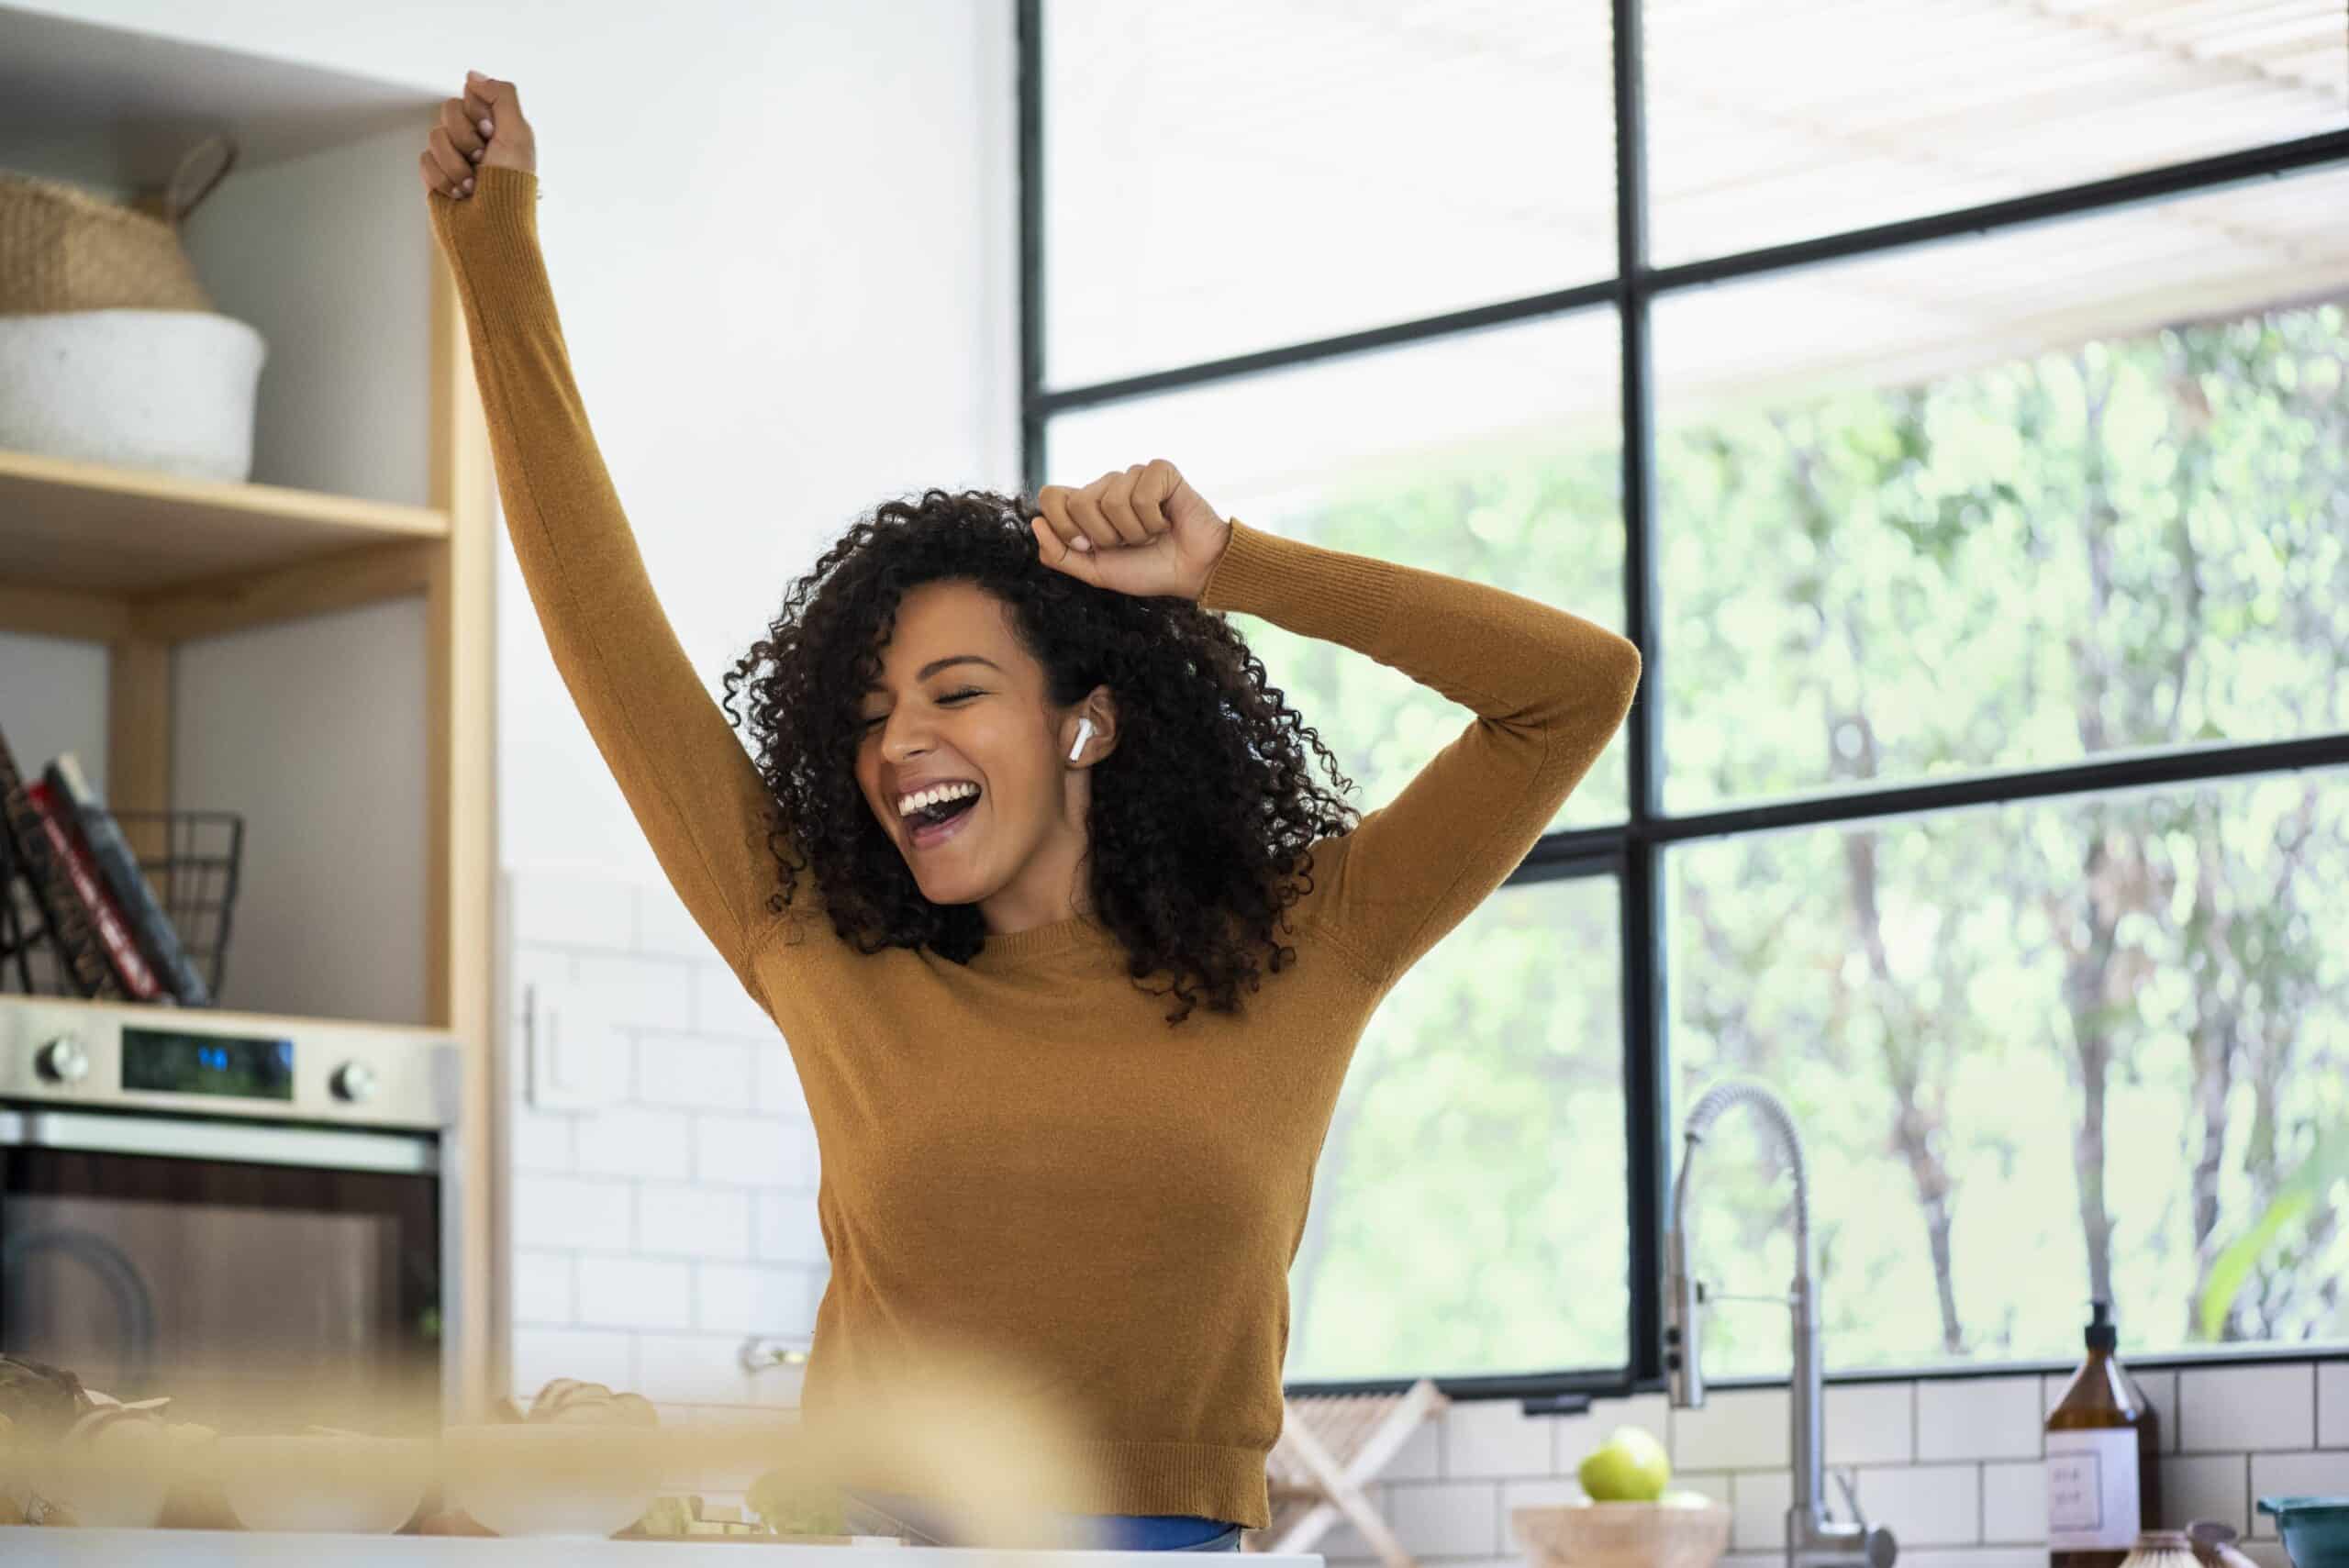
483 127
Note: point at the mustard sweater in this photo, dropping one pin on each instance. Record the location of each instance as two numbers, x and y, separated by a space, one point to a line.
1019 1152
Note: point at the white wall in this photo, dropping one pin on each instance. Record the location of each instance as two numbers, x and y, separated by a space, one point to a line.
782 239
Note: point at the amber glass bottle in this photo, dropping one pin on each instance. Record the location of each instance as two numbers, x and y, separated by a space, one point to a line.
2103 1458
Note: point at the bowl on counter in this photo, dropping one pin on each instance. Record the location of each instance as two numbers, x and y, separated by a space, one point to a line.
551 1478
1623 1535
2315 1530
351 1484
118 1478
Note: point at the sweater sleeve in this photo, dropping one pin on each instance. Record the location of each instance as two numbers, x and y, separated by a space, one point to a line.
684 774
1548 688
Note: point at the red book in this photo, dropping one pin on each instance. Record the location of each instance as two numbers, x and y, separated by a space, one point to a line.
112 929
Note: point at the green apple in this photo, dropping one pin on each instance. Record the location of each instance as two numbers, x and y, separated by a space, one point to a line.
1630 1466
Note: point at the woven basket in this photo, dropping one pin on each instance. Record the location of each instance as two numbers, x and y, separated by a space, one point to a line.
62 248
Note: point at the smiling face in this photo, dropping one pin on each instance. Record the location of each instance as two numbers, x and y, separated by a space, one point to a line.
960 698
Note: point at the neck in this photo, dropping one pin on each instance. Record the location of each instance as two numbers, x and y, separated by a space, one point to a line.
1049 889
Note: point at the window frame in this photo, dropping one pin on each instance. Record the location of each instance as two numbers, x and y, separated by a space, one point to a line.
1632 851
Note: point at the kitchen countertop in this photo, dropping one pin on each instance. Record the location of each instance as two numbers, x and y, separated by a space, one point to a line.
28 1546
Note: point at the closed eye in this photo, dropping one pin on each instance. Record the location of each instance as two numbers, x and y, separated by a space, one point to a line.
951 696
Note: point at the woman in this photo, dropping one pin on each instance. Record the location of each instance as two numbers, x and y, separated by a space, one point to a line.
1033 781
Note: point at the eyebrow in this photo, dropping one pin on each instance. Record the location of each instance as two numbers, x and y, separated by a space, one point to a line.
935 665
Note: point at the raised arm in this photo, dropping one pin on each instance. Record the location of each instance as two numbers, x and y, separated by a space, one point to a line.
1547 689
685 773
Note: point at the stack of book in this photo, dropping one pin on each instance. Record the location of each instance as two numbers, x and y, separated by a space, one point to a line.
110 934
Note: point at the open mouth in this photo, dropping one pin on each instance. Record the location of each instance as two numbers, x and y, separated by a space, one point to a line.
933 824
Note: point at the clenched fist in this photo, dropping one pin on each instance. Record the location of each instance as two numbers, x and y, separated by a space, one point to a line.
1142 530
483 129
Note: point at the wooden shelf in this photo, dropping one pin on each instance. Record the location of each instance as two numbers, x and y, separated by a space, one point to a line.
90 528
162 570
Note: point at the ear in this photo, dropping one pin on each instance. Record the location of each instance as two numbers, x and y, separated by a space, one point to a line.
1101 709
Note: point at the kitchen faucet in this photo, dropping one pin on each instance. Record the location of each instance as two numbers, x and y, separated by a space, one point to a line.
1815 1538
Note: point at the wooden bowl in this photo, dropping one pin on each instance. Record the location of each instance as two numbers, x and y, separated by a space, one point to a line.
1623 1535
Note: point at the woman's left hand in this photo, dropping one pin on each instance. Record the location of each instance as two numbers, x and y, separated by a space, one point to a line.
1142 530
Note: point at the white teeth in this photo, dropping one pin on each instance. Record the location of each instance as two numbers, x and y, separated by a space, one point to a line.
910 803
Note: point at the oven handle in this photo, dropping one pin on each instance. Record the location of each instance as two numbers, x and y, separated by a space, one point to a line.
324 1148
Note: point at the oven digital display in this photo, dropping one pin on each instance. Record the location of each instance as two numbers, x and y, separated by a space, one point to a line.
245 1066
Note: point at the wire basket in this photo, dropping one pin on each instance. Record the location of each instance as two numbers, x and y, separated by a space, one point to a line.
190 859
194 874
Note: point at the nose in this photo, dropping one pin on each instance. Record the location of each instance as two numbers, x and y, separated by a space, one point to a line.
901 741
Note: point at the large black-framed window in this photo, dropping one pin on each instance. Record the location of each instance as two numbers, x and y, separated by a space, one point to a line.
1881 822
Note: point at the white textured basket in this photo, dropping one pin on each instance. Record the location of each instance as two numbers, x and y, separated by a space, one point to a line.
171 390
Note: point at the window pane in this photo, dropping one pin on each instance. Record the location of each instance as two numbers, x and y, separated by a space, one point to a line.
1469 1212
1494 456
2037 1054
2002 504
1772 122
1226 175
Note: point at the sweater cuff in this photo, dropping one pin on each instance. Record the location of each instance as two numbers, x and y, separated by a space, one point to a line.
500 220
1330 595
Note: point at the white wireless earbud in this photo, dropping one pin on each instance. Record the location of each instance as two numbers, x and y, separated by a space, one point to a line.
1084 733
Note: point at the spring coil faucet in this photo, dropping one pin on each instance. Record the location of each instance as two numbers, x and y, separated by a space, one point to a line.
1815 1538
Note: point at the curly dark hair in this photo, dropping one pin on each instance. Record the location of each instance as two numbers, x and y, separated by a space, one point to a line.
1201 817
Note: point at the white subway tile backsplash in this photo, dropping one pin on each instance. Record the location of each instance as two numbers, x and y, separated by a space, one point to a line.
1735 1429
1445 1518
2160 1389
2014 1502
680 1070
1573 1438
1926 1504
2318 1474
753 1151
1758 1503
752 1298
2265 1553
691 1222
723 1007
628 1140
1650 1412
664 927
1979 1417
565 1211
541 1355
1495 1439
535 971
542 1288
542 1140
1420 1459
1341 1542
785 1229
2332 1404
1713 1484
635 1293
1972 1557
702 1369
1869 1423
636 992
2228 1409
565 909
2206 1486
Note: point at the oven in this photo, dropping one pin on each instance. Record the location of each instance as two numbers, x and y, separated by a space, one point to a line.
251 1214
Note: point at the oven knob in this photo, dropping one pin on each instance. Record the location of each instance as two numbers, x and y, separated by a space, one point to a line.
354 1080
63 1060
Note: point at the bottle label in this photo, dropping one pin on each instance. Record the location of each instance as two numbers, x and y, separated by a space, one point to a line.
2092 1489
